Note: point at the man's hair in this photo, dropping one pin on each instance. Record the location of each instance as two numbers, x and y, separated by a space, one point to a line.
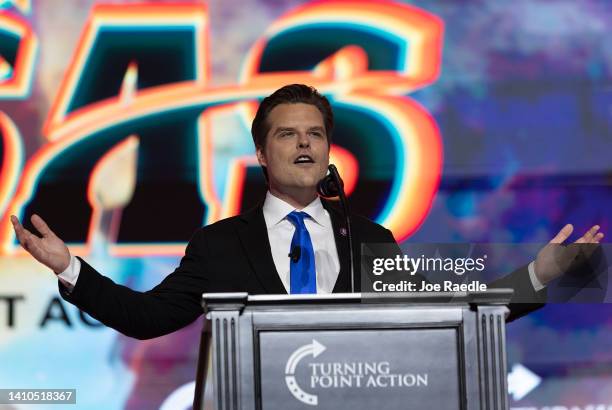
290 94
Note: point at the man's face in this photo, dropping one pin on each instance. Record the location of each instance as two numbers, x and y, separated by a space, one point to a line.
296 153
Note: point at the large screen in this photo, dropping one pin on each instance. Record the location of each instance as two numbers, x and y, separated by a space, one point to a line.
126 125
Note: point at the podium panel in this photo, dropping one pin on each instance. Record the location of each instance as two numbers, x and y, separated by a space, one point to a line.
335 352
386 369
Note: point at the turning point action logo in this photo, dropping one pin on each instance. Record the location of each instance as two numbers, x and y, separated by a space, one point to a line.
341 375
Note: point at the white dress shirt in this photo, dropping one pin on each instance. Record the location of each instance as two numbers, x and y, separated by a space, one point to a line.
319 225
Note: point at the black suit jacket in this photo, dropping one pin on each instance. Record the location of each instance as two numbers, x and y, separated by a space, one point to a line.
232 255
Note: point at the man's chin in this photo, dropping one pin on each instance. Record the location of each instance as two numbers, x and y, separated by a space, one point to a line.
310 181
305 186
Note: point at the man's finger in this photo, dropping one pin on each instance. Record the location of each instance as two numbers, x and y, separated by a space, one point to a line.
589 236
20 231
21 237
16 225
563 234
41 226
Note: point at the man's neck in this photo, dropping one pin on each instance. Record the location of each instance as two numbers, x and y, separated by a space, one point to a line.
298 199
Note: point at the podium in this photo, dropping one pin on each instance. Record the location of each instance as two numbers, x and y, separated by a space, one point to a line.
350 351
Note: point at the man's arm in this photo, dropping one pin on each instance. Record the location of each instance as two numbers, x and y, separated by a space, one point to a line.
526 298
552 261
172 304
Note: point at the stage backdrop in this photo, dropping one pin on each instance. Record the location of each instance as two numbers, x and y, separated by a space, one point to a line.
126 126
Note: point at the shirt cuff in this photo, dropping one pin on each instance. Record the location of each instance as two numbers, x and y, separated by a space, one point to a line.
71 274
537 285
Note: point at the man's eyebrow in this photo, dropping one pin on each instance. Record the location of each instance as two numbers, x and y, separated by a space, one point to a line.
282 129
292 129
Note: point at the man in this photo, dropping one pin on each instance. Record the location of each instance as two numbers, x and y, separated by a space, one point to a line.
251 252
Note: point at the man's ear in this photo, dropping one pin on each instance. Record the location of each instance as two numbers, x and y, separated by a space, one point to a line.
261 158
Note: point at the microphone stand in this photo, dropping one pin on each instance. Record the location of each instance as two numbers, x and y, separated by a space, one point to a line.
331 186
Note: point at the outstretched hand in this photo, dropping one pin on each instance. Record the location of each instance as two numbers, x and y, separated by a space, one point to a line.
555 259
49 250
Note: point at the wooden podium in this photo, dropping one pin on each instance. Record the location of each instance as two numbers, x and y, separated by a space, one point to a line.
350 351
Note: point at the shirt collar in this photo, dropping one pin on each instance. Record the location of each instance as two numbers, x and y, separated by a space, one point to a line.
275 210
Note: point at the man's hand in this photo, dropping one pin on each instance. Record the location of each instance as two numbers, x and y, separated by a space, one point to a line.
49 250
554 259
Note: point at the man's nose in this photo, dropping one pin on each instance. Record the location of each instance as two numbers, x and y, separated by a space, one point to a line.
303 141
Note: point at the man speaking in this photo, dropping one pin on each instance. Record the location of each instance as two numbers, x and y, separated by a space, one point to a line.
252 252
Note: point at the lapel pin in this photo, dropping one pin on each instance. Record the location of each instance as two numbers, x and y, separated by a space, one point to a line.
343 231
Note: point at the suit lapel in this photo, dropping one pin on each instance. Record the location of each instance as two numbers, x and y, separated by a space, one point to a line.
254 237
343 283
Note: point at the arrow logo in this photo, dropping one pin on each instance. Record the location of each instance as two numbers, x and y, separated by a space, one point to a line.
521 381
315 349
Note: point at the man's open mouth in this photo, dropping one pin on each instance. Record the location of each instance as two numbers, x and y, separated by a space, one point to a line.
304 159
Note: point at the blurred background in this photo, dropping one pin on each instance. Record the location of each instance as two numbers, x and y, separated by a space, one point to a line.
126 126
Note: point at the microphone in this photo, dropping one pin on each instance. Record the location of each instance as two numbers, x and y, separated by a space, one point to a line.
331 185
295 254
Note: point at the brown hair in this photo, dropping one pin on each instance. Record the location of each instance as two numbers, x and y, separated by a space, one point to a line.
290 94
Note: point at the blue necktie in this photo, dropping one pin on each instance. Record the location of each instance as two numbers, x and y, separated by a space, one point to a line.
303 274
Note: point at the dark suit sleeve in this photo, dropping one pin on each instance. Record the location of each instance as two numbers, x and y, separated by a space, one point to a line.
171 305
525 298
